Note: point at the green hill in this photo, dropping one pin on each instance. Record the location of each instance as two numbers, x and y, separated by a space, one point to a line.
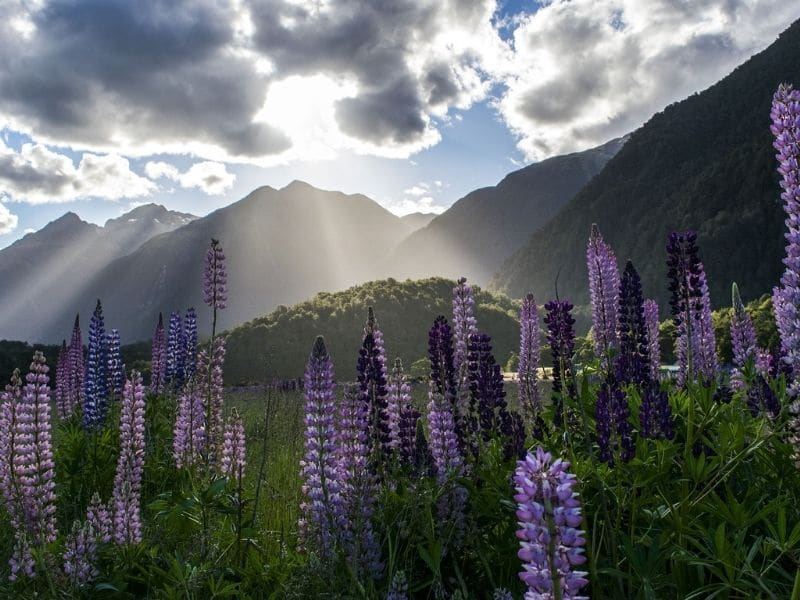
279 343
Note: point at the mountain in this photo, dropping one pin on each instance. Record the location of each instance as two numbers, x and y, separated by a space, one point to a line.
705 163
417 220
281 246
45 271
279 344
482 229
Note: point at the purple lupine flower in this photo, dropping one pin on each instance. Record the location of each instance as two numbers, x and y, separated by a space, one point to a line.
189 438
95 403
655 414
210 383
176 348
707 344
372 378
76 368
684 271
115 370
158 362
215 279
398 399
760 397
529 356
443 375
448 461
190 347
653 341
763 362
785 127
561 337
502 594
63 407
321 507
126 496
549 515
398 589
601 263
464 326
80 554
614 431
357 486
633 361
99 517
233 448
743 338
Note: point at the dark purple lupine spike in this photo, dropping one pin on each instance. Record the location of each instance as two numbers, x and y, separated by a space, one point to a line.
76 369
116 370
601 264
372 378
785 127
443 375
561 337
653 339
63 407
633 361
549 515
158 361
489 416
529 358
357 485
614 431
95 402
655 414
760 397
176 352
321 511
190 347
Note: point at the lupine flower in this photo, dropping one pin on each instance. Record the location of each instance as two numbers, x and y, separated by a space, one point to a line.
793 426
448 461
743 337
189 438
655 414
215 278
116 370
763 361
27 472
409 417
443 376
372 378
63 407
785 116
126 496
760 397
549 514
502 594
80 554
356 484
685 273
76 369
190 339
233 448
398 589
176 349
422 459
561 337
158 362
653 341
99 517
210 383
464 326
321 507
398 400
633 362
601 263
707 346
723 394
614 431
529 356
95 401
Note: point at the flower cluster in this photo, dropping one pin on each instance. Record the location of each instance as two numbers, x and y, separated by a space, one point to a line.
61 392
189 439
561 337
215 278
175 363
95 401
233 448
190 343
372 378
210 384
549 515
633 361
401 412
653 339
614 432
601 262
743 337
529 356
115 370
158 361
655 414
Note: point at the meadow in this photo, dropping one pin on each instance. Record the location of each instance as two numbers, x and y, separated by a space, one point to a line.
612 479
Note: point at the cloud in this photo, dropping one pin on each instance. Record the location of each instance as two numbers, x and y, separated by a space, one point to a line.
210 177
586 71
421 189
8 221
38 175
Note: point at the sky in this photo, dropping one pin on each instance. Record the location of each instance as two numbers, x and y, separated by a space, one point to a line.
105 105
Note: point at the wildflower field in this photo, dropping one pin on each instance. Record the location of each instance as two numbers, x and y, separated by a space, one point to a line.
608 480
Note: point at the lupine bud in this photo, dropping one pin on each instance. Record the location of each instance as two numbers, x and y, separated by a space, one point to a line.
80 554
760 397
215 278
707 363
549 515
614 432
189 438
655 414
372 378
233 448
443 376
126 496
398 402
176 352
743 337
601 262
116 370
529 356
785 116
633 362
464 326
99 517
95 402
158 362
210 384
76 369
398 590
190 340
653 341
561 337
63 407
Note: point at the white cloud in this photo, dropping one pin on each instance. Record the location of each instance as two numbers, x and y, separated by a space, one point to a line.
420 189
406 206
586 71
8 221
29 230
210 177
38 175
